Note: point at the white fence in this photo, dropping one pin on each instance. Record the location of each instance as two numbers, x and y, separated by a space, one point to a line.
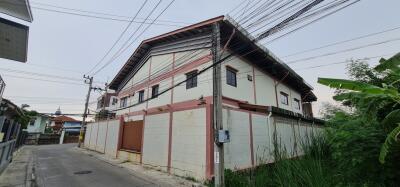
103 137
254 138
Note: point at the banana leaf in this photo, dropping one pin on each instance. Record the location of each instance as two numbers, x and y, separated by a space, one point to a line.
391 64
346 84
391 145
358 86
391 120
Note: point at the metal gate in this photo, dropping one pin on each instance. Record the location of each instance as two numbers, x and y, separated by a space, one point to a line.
132 136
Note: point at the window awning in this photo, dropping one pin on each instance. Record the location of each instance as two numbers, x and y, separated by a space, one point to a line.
13 40
17 8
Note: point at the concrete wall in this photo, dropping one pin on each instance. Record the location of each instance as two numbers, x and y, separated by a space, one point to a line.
249 128
86 141
188 147
103 137
237 151
155 141
262 139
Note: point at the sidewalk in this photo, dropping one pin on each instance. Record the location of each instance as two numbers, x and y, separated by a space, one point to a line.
20 171
160 178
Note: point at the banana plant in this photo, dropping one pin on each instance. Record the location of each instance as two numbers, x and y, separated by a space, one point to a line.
374 95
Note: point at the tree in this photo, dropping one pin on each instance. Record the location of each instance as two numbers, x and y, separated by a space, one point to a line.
372 95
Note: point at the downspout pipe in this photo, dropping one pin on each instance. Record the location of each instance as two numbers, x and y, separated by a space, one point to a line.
269 130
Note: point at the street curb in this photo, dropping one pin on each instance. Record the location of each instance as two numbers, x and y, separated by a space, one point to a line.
120 164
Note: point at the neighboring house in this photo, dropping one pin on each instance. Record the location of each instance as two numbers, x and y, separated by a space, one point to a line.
9 125
10 130
264 102
106 103
57 123
38 124
72 127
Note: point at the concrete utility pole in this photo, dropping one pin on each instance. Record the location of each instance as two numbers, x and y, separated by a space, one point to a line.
217 110
88 80
105 99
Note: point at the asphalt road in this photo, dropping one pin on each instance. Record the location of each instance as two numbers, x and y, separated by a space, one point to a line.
61 165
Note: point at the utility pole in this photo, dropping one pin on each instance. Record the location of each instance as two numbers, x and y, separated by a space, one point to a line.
88 80
217 110
105 100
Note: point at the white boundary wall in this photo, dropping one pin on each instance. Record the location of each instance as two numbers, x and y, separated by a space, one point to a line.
289 134
155 141
103 137
188 149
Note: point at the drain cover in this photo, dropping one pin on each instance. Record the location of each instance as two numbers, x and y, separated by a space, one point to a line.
82 172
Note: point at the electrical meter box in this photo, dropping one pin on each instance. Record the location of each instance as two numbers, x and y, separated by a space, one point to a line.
223 136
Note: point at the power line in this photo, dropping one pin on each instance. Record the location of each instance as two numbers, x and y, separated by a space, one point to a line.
186 54
104 14
45 80
40 74
207 68
167 64
313 21
148 26
341 42
116 54
99 17
343 62
343 51
144 79
119 38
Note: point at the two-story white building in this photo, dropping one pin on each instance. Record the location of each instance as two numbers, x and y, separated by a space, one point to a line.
170 127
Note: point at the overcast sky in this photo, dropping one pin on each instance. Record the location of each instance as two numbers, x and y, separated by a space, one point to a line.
69 45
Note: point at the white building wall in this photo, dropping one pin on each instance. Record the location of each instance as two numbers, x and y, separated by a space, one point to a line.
161 99
264 86
141 75
161 64
244 90
292 95
155 141
188 149
204 85
237 151
296 95
265 89
185 57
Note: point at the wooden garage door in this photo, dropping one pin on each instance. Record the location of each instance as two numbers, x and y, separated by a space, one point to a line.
132 136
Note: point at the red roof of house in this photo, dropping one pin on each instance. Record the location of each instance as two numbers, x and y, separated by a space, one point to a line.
63 119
